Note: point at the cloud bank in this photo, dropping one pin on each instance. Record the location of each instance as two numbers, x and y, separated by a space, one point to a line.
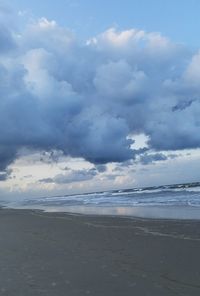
87 99
72 176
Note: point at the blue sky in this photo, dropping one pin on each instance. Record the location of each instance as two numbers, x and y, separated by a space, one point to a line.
177 19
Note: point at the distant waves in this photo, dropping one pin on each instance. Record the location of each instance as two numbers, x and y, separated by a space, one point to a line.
169 195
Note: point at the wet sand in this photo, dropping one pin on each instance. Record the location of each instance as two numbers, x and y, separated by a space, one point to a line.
58 254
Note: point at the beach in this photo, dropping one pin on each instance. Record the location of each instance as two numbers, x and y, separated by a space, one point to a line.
59 254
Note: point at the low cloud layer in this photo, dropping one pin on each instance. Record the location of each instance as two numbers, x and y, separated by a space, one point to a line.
72 176
152 158
86 99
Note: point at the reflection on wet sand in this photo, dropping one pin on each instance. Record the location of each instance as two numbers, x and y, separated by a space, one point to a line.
165 212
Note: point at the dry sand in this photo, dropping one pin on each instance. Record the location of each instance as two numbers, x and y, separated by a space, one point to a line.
72 255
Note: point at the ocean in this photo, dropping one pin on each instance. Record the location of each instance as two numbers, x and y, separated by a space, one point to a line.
167 201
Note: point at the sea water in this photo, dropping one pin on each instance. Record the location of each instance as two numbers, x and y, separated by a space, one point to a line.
168 201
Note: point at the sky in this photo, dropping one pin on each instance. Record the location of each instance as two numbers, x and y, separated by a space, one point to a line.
98 95
177 19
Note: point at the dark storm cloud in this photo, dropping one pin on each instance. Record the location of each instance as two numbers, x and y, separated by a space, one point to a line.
4 175
85 100
7 156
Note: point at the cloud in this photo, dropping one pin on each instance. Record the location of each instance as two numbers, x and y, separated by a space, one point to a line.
6 41
5 175
72 176
150 158
52 156
85 100
101 168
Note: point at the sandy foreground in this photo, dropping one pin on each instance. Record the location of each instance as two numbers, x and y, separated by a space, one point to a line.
58 254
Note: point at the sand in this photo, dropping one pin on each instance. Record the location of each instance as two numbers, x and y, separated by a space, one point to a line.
58 254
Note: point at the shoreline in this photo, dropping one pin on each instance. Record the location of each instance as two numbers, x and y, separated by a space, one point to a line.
143 212
61 254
